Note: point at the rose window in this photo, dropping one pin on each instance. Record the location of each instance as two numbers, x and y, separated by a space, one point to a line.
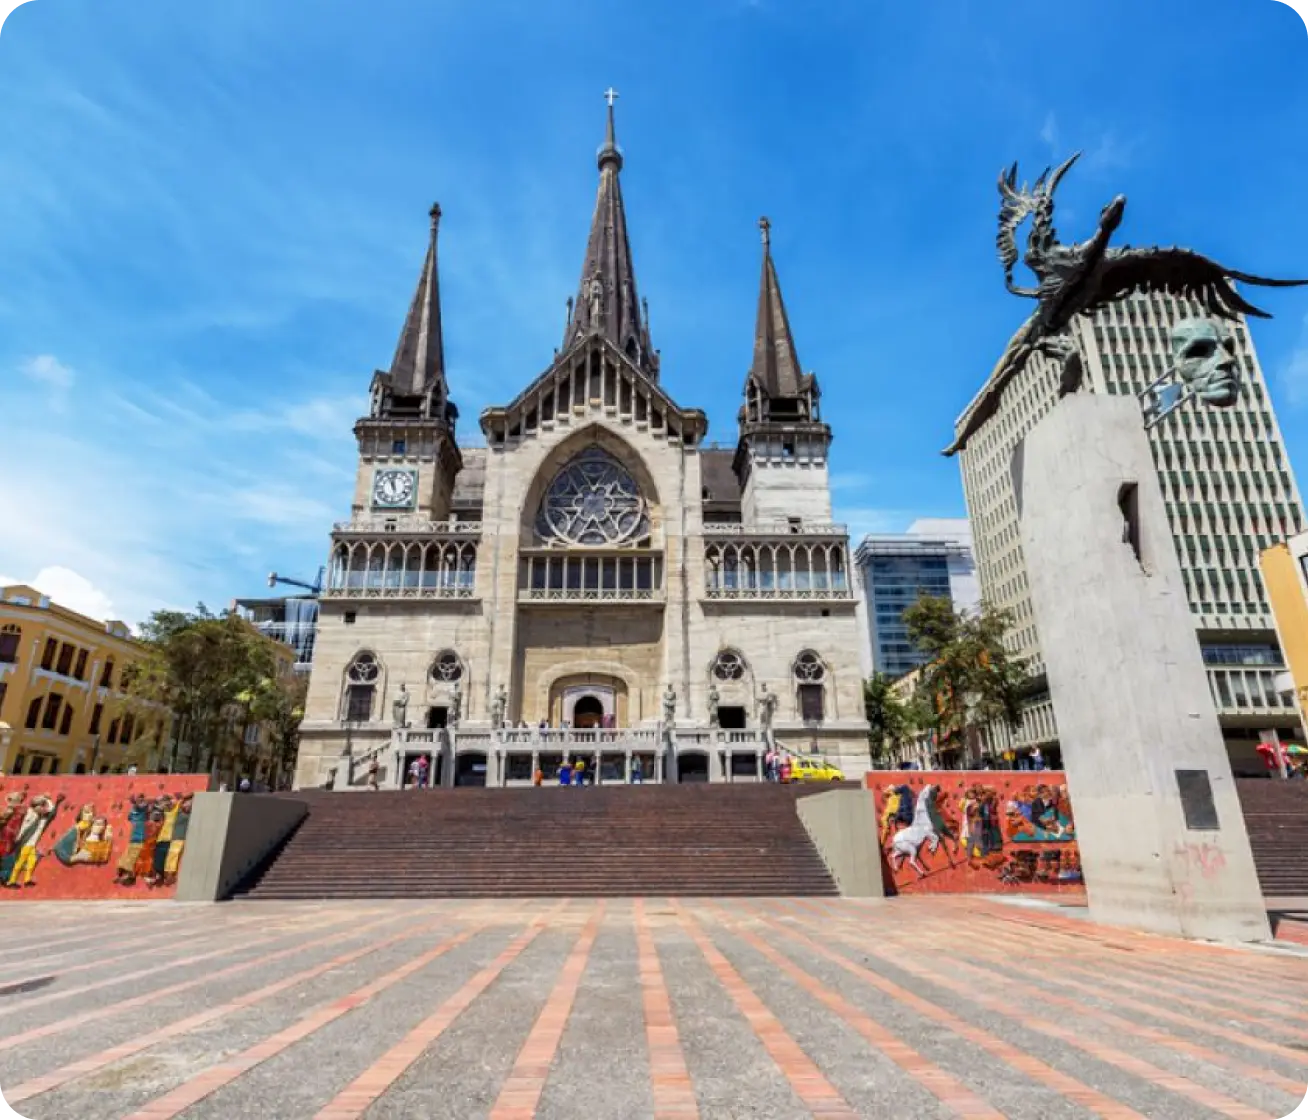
809 668
593 500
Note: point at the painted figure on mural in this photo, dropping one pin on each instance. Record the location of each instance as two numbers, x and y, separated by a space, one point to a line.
72 842
40 812
138 816
11 820
979 812
1036 815
907 843
898 809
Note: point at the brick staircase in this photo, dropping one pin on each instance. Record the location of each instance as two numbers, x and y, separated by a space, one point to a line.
1276 814
614 841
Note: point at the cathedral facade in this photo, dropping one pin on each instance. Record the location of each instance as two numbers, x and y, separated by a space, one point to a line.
594 582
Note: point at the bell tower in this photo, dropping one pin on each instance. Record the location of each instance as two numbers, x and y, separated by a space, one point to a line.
408 457
781 456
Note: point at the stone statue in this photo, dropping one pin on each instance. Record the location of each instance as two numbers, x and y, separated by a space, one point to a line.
499 706
767 705
713 698
456 705
400 708
1080 279
669 704
1203 355
595 295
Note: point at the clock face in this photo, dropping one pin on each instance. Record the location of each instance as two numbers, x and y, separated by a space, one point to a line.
394 489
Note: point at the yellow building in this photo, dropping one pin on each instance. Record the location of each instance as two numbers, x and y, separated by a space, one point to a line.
1285 573
61 708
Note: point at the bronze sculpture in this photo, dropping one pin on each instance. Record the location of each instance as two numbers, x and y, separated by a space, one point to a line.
1081 278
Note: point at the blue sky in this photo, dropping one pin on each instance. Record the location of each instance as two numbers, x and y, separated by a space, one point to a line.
212 219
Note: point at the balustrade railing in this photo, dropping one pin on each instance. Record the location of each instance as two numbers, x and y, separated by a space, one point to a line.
719 591
401 525
776 529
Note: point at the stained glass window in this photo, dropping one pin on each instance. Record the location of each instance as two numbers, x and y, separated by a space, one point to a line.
593 500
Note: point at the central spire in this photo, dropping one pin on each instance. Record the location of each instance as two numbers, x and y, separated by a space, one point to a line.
607 302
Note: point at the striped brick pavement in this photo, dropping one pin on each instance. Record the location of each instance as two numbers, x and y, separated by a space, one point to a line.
653 1008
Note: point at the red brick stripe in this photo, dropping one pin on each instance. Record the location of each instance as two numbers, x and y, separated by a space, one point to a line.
357 1097
809 1084
674 1096
522 1089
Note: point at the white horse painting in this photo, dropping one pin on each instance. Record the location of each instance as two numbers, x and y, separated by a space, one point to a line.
908 841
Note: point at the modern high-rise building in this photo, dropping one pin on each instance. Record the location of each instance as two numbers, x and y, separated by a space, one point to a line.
933 558
1229 491
290 619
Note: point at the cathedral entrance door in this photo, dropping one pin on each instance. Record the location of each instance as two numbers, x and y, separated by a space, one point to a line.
588 712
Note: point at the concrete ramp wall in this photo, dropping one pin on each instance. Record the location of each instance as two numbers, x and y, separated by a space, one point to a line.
230 834
842 824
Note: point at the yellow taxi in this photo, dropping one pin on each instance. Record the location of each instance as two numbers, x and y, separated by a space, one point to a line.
814 770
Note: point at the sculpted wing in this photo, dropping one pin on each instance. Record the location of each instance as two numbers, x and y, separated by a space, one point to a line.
1179 272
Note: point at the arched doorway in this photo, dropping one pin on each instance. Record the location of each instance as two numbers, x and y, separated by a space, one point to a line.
588 711
692 767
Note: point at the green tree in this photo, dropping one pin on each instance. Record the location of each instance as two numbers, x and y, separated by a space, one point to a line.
970 679
197 666
277 702
892 721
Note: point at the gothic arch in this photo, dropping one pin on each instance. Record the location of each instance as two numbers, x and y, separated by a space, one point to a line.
559 456
366 673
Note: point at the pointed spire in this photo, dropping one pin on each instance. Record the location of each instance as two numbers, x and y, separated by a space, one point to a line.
607 300
419 360
776 369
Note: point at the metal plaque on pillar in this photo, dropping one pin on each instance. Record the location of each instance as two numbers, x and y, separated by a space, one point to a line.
1197 801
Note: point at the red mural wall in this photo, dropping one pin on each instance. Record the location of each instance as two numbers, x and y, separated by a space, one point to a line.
976 831
97 836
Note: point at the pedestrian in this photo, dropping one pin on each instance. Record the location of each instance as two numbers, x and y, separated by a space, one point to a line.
372 773
579 773
538 778
413 772
1037 759
423 766
770 765
244 786
131 770
565 773
785 769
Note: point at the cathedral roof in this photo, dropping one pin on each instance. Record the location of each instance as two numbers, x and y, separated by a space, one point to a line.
419 360
776 369
607 302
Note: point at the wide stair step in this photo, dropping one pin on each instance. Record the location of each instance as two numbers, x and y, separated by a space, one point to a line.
605 841
1276 816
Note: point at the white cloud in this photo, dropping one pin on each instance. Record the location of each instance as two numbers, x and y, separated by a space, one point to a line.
68 589
1049 131
48 371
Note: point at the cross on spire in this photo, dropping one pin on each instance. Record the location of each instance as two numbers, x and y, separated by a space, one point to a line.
766 227
611 95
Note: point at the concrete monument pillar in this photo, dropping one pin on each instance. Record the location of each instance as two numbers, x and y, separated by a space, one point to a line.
1158 820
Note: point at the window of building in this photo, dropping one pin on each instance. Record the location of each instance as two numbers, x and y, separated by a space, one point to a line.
37 765
64 665
48 654
361 677
52 705
96 713
447 667
113 730
66 724
729 666
398 447
33 713
107 675
3 688
811 708
129 729
10 637
79 670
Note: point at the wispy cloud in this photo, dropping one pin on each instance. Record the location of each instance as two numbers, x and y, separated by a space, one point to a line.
48 371
1049 132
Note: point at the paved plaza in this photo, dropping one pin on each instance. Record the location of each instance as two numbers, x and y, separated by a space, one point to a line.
913 1008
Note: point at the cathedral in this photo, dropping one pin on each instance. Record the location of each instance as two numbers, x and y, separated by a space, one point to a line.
590 581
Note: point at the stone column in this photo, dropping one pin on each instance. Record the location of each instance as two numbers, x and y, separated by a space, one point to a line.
1162 835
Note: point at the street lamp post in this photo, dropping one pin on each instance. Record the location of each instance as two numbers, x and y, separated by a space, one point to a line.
95 751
